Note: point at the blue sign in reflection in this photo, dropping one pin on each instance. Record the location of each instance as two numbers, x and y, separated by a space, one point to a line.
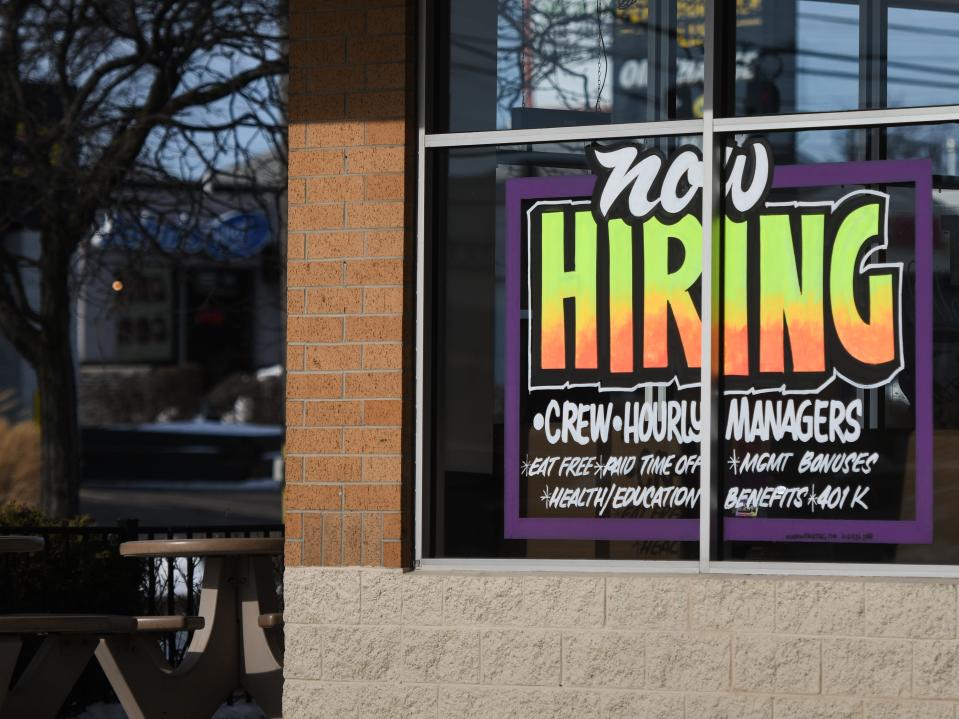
231 236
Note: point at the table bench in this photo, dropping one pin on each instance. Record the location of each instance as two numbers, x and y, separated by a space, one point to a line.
237 646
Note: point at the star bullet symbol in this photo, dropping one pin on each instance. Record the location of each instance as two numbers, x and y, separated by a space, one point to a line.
544 497
524 466
733 463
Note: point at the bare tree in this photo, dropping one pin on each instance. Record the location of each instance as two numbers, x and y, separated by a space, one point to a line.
101 103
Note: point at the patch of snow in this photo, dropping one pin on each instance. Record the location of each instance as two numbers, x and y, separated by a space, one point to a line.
268 372
206 426
99 710
239 710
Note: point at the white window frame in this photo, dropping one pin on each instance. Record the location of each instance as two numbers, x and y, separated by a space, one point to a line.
710 128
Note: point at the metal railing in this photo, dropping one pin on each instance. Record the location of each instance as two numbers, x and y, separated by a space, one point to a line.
167 585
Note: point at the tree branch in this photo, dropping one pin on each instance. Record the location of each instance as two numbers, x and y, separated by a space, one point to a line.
208 94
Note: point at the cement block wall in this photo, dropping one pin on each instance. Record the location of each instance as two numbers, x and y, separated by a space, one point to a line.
383 643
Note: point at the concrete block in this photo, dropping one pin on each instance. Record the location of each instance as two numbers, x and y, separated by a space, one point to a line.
643 705
321 595
517 703
441 655
683 662
362 654
739 604
483 599
604 659
818 708
520 656
819 607
725 706
644 603
303 651
878 709
563 601
422 598
936 667
769 663
319 700
378 701
866 667
381 598
918 610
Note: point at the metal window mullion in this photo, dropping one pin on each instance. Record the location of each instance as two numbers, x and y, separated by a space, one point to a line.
826 569
873 43
708 411
419 436
873 69
730 568
873 84
634 566
659 58
762 123
839 120
564 134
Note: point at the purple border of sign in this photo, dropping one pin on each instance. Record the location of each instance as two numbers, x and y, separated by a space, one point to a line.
892 531
916 531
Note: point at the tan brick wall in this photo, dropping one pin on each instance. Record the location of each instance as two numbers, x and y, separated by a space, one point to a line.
350 214
379 643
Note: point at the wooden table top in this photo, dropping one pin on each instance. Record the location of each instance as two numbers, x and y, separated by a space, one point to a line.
215 547
20 543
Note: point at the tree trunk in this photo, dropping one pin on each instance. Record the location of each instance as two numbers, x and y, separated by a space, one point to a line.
56 379
60 434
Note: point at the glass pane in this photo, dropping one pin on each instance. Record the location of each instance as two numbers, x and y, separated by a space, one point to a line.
839 419
559 428
822 55
796 56
516 64
923 54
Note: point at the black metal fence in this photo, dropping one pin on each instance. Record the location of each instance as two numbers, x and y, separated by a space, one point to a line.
160 585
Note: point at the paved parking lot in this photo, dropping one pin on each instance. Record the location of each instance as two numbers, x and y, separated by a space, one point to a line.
180 503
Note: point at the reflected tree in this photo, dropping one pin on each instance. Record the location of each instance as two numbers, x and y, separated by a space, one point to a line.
558 47
106 108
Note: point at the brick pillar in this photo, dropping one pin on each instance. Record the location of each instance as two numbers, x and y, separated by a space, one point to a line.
350 270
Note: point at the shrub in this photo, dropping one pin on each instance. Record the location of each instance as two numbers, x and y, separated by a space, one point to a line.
20 462
75 572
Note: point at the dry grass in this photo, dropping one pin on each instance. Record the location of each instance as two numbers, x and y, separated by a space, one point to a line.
20 462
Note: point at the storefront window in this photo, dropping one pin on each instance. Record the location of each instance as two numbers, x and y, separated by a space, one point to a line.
534 308
605 378
837 415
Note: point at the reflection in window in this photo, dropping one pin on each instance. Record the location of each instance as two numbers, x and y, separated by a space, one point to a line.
553 58
827 57
798 56
538 63
923 55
